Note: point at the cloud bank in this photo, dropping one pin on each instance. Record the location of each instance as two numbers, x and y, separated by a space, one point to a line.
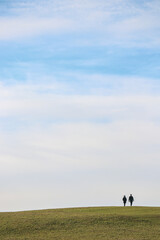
63 141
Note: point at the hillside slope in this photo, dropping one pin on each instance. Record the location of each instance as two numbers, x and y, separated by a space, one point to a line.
108 223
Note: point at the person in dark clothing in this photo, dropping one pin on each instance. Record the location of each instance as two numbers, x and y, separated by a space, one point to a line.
124 200
131 199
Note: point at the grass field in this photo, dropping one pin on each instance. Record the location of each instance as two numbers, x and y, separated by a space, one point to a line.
116 223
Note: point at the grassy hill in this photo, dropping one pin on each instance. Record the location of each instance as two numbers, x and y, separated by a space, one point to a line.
116 223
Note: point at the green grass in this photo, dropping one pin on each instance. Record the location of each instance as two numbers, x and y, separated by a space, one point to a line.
116 223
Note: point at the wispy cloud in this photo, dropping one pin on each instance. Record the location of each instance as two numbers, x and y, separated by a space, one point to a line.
19 27
107 97
121 22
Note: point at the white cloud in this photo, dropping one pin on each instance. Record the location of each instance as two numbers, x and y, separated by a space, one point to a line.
19 27
144 26
118 22
61 159
81 146
124 100
92 127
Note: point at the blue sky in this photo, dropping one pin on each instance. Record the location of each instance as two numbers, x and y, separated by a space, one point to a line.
79 103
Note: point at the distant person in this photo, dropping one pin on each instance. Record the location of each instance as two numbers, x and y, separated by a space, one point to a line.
131 199
124 200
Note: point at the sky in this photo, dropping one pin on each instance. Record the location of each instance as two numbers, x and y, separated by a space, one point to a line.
79 103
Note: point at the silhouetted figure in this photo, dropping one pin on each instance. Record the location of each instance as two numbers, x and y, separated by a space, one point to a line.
131 199
124 200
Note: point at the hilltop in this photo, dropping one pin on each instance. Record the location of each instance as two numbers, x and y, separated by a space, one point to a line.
108 223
